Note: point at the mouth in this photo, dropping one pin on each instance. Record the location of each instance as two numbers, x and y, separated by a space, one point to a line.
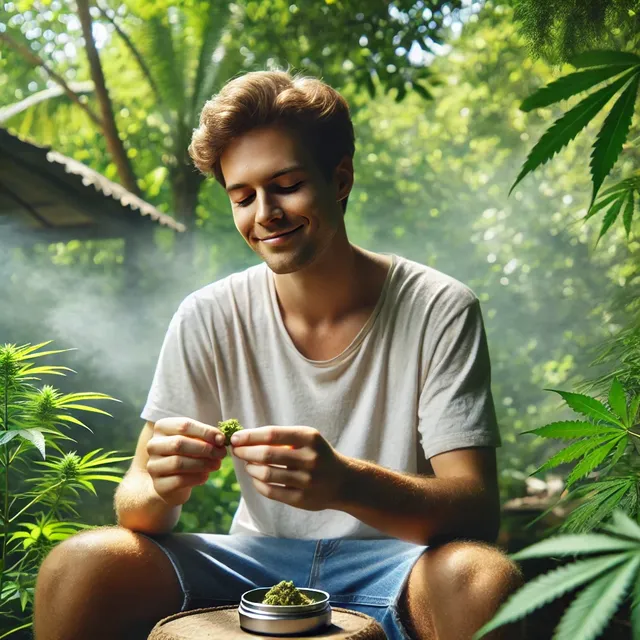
283 235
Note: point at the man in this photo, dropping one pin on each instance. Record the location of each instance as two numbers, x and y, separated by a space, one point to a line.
367 462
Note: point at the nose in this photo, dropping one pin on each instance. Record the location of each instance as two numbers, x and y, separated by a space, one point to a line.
267 210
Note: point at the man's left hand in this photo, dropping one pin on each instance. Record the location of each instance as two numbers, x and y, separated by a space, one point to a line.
313 470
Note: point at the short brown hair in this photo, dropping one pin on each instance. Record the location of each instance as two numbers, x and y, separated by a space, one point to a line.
261 98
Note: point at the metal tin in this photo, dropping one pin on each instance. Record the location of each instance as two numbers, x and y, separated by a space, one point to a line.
284 620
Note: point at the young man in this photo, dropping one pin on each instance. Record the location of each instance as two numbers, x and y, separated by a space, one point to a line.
363 384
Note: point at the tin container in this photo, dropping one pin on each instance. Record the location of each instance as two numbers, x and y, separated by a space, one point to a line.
284 620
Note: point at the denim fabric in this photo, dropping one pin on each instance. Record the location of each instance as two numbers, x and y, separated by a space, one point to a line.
363 575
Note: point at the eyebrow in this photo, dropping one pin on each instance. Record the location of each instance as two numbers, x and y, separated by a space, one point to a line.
277 174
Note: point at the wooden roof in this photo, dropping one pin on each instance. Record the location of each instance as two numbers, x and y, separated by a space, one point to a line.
48 197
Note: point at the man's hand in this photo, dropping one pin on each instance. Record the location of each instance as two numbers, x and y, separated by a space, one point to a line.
182 454
313 469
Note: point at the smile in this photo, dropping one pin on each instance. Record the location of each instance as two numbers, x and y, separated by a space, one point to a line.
282 237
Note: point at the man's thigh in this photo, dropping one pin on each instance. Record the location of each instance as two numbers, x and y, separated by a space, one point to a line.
216 569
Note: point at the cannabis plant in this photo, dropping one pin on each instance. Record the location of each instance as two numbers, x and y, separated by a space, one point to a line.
38 489
607 443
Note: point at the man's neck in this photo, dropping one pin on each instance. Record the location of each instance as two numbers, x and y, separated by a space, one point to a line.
343 281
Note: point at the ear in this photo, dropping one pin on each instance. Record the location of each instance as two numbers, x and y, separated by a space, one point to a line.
343 176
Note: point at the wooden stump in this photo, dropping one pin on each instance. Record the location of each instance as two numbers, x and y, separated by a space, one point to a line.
222 623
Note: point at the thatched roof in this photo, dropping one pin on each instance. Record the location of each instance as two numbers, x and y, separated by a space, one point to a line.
47 196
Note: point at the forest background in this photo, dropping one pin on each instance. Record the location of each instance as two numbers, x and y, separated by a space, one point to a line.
435 90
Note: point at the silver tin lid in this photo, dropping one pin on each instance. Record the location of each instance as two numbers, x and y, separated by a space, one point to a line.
284 619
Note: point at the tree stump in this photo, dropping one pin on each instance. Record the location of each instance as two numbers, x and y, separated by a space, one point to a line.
222 623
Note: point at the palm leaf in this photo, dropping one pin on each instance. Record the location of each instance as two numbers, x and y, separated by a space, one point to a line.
548 587
212 26
600 57
588 406
592 609
568 86
570 545
611 137
570 429
568 126
628 213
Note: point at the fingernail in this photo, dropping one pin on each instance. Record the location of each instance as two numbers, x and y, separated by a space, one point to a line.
234 439
219 439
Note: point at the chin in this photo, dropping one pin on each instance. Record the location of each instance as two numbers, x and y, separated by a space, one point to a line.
288 262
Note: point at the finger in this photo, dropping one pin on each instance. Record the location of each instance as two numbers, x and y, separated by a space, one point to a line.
167 484
174 465
293 436
290 458
292 497
183 446
190 428
292 479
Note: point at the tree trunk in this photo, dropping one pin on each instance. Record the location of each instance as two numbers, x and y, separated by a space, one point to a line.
109 128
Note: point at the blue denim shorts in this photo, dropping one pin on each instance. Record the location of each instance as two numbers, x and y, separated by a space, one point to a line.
364 575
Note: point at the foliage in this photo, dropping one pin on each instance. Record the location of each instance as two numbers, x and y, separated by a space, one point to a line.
559 29
34 518
600 66
601 441
604 581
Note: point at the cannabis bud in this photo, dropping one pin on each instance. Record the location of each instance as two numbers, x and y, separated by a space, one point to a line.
229 427
285 593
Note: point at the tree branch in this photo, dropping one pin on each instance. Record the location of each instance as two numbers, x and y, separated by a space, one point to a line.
37 61
109 127
41 96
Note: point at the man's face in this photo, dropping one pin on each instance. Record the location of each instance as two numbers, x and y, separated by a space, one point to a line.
283 206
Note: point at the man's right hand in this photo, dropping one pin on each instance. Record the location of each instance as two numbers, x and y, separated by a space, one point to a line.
182 454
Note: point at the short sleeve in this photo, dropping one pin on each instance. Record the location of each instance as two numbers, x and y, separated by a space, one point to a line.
184 382
456 408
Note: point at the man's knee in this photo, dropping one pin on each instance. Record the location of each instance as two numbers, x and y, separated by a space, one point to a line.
103 559
470 568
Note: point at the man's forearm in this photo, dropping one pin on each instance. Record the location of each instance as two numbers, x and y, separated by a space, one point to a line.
138 507
415 508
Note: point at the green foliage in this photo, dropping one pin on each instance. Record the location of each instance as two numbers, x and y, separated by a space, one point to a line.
604 581
229 427
559 29
604 437
602 66
33 520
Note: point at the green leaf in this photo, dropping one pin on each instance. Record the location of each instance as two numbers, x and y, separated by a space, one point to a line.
600 57
633 410
623 185
7 436
548 587
618 401
574 451
422 91
623 525
570 429
592 609
635 611
621 447
588 406
568 86
592 460
627 215
611 137
35 437
569 545
602 203
567 127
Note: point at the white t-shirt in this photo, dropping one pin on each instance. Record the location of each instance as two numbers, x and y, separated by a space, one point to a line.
417 373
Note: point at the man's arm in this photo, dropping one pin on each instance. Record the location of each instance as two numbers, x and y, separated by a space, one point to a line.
137 505
462 500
